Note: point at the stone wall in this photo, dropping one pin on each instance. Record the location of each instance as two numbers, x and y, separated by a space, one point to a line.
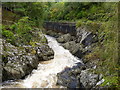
61 27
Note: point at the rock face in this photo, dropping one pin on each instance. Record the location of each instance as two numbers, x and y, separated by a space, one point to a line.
77 77
88 79
20 61
79 45
75 48
84 36
65 38
44 53
69 77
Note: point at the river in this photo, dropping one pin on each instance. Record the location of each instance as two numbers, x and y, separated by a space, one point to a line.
45 76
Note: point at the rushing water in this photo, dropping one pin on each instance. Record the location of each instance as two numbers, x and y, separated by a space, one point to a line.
45 76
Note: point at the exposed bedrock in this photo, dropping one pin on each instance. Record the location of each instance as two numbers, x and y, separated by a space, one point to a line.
79 45
77 77
20 61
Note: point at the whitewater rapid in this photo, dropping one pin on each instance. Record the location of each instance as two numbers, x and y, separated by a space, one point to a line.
45 76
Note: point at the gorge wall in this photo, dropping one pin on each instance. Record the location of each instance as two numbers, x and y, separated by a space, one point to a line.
79 44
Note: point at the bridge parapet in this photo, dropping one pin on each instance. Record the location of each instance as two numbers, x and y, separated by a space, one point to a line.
66 27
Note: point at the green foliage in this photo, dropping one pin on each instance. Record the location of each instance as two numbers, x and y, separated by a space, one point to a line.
102 21
23 30
71 11
34 10
79 23
111 81
23 26
93 26
19 32
9 35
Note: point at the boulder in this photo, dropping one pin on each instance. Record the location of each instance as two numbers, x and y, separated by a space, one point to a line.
88 79
65 38
85 37
18 67
44 53
78 77
20 61
75 48
69 76
52 33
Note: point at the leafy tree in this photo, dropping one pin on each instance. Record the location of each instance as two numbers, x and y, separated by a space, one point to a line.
35 12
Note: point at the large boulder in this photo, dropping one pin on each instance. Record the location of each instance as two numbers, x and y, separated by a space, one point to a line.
20 61
69 76
88 79
85 37
75 48
17 67
44 53
52 33
65 38
78 77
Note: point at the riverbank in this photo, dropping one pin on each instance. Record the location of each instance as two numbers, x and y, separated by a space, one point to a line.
19 61
45 76
93 39
79 45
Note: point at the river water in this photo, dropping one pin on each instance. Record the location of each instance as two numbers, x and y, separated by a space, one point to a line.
45 76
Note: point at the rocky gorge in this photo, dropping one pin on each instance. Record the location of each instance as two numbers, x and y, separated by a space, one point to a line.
59 45
18 62
81 44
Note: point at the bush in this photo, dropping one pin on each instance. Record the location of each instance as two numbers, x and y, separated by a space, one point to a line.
23 30
81 22
9 36
7 33
91 25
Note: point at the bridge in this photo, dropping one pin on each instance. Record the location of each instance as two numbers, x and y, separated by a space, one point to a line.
66 27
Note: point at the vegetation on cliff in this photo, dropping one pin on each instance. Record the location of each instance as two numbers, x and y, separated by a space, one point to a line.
99 17
21 21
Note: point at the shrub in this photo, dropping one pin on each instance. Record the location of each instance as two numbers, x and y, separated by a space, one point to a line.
79 23
9 36
91 25
7 33
23 30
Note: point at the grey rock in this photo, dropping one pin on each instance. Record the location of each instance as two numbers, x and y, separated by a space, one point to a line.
20 61
88 79
17 66
52 33
75 48
67 79
70 76
85 37
65 38
45 53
